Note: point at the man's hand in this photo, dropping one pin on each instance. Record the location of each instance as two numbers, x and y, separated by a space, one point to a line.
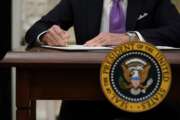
108 39
55 36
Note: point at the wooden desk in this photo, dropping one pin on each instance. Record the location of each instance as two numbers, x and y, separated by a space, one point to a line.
50 74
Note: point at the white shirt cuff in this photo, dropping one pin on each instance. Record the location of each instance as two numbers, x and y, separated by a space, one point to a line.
38 37
141 38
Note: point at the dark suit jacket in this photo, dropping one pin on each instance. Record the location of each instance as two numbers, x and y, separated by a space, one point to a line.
160 27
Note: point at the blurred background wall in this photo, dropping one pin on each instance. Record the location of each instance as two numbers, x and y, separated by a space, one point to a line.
25 13
177 3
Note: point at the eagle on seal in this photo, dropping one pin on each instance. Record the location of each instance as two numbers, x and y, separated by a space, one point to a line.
136 76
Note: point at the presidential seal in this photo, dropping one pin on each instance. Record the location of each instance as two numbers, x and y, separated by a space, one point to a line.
135 77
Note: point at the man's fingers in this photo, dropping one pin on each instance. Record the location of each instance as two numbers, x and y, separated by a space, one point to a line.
97 40
48 39
104 39
56 36
58 30
61 32
52 39
92 41
101 42
67 35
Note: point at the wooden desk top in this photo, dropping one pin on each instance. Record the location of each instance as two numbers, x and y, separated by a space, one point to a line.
40 56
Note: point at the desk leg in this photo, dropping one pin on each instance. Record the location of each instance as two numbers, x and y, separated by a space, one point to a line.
27 113
26 108
33 110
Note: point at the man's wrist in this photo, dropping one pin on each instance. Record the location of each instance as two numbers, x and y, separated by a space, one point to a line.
141 38
40 36
132 36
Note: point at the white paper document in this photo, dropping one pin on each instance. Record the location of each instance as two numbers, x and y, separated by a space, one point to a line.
83 48
76 47
167 48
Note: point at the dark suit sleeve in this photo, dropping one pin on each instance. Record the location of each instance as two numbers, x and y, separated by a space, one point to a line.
167 20
61 15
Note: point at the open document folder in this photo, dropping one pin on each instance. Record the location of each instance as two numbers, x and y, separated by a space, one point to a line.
82 47
76 47
167 48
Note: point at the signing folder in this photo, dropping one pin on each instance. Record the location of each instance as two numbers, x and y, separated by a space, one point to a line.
87 48
76 47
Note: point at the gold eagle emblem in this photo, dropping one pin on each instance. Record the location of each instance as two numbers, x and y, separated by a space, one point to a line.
135 73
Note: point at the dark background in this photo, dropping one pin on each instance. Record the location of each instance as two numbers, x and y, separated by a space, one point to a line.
5 74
